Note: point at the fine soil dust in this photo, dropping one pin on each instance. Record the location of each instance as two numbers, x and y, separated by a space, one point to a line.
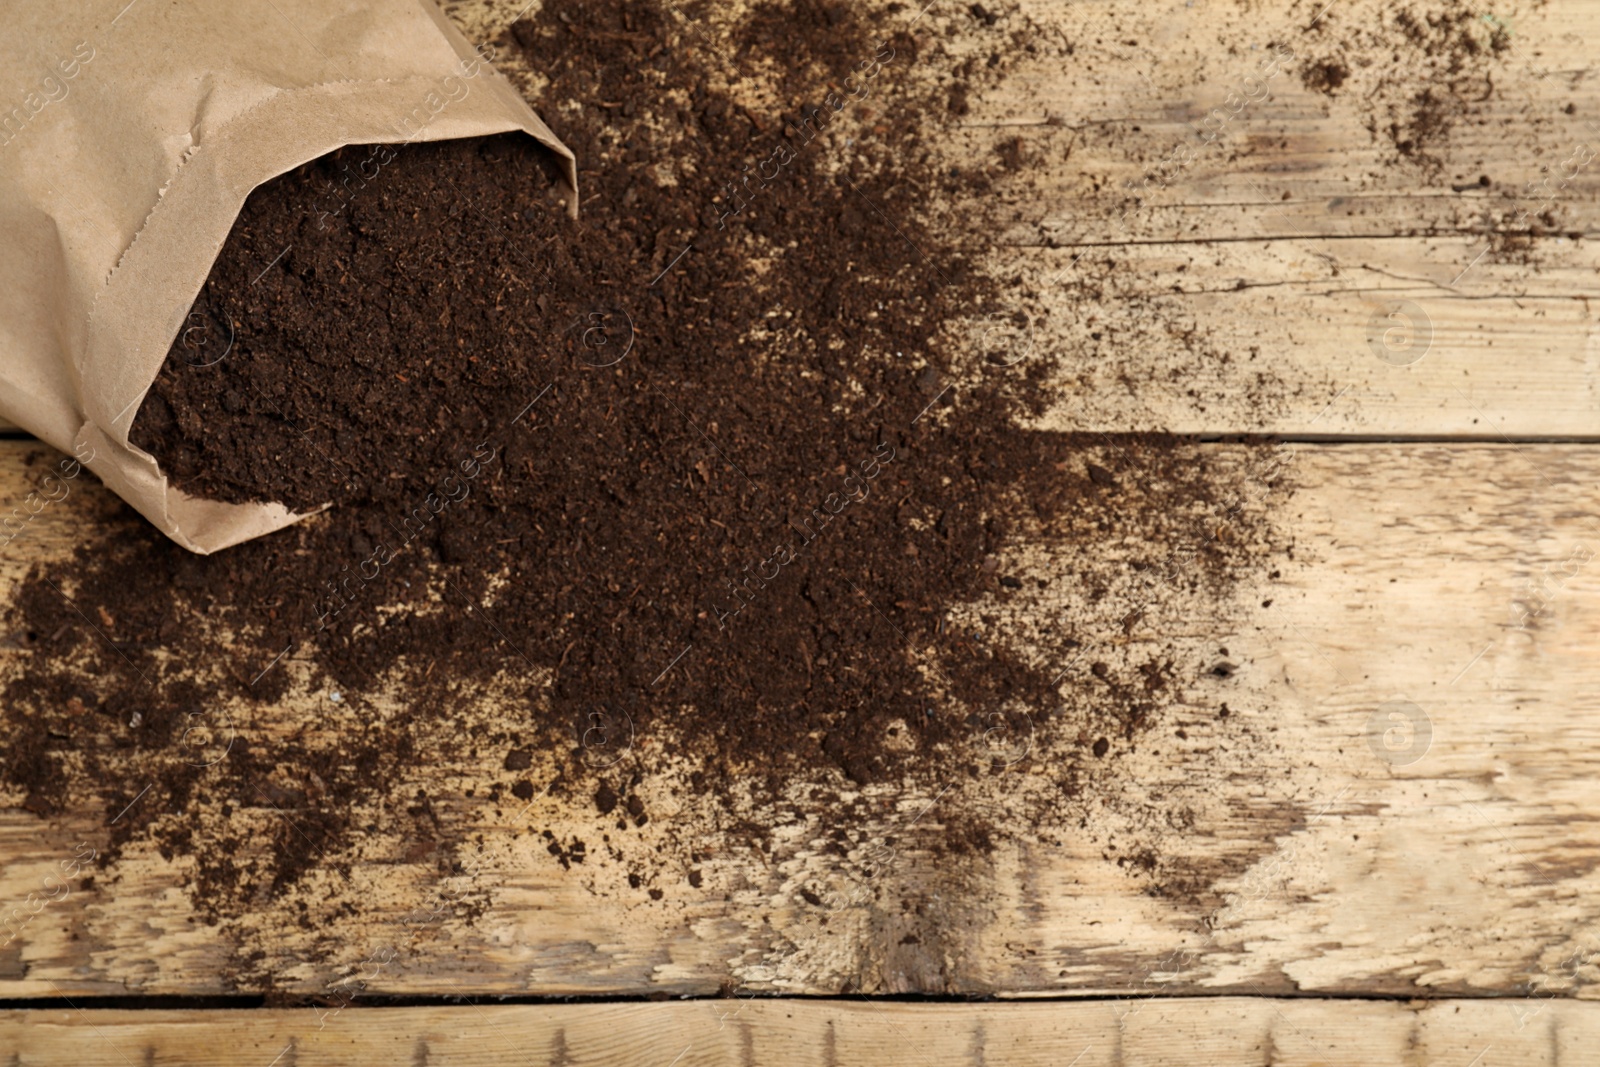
702 489
1418 72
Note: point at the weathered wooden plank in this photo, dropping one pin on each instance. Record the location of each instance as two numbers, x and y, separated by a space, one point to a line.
1309 338
1268 255
1294 845
1211 121
1219 1031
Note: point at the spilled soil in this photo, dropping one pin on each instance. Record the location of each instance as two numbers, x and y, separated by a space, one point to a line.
1418 73
710 481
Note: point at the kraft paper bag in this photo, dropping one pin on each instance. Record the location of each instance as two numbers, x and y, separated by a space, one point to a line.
126 155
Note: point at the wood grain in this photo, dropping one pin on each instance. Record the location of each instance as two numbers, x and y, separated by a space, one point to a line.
1294 846
1141 80
1281 250
1217 1031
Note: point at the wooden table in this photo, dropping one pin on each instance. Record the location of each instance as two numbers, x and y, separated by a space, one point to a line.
1401 867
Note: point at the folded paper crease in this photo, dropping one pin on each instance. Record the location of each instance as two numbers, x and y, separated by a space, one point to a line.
116 197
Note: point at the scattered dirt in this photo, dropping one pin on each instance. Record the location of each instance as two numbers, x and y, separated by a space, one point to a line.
1324 76
705 486
1418 71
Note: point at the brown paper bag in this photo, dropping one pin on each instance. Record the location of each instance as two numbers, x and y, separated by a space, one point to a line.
126 158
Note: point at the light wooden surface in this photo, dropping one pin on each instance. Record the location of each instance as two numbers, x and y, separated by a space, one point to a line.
1145 1032
1314 860
1280 243
1507 355
1252 285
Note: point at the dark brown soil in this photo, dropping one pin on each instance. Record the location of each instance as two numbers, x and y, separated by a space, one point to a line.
713 471
1325 75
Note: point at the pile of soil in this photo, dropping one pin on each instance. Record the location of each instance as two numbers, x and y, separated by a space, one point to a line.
611 483
714 476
